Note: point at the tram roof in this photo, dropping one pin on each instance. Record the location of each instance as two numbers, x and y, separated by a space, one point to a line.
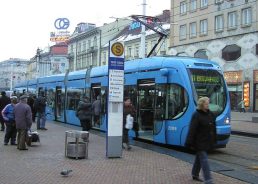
52 78
147 64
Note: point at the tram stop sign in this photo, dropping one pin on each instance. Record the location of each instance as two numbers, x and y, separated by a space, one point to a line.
115 99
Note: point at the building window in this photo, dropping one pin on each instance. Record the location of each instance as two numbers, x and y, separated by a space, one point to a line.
136 52
204 27
232 20
201 54
204 3
182 32
104 58
231 52
256 47
193 29
71 47
219 1
183 7
246 16
193 5
79 48
219 23
95 44
182 54
89 44
84 46
146 49
129 51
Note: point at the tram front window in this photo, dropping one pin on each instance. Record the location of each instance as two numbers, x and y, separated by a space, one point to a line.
210 83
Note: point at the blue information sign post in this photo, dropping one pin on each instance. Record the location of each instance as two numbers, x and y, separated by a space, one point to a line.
115 99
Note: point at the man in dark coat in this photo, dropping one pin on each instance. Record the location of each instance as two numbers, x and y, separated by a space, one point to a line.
201 138
40 107
31 101
4 100
84 113
23 120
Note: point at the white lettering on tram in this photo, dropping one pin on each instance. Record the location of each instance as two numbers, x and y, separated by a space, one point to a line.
172 128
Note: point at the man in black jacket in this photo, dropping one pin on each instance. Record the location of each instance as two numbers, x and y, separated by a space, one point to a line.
201 138
4 100
40 108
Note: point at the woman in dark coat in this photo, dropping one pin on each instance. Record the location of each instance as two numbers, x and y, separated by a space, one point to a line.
201 138
128 109
84 113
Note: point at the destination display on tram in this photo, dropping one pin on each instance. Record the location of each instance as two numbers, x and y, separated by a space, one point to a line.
205 79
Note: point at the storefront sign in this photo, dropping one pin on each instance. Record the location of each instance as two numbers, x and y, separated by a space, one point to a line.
60 36
255 76
247 94
233 77
115 99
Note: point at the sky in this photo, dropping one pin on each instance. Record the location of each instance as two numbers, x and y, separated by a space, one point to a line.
25 25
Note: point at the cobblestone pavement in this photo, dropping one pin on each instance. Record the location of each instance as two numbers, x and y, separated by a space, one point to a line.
43 163
243 122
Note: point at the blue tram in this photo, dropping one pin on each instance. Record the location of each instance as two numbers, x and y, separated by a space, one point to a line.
164 91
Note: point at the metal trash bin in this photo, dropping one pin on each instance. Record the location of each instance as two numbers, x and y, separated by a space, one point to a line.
77 148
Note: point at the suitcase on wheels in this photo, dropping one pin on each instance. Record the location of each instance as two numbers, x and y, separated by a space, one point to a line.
33 136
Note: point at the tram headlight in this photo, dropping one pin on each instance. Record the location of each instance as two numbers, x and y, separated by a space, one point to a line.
227 121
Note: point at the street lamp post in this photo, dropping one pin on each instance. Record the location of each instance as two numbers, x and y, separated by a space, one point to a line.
11 82
37 62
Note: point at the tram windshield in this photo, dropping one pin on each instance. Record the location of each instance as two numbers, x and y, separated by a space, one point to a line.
210 83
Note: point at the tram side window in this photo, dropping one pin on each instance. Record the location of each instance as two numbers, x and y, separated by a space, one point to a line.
73 98
131 92
51 98
177 101
160 102
103 99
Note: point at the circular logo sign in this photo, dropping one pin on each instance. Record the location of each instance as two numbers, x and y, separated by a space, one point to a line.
117 49
62 23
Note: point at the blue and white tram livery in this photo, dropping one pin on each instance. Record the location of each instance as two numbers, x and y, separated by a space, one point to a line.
163 90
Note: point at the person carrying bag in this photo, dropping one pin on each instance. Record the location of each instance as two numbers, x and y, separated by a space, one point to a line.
128 121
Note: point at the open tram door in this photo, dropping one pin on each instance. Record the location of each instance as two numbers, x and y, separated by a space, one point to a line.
150 111
146 96
98 101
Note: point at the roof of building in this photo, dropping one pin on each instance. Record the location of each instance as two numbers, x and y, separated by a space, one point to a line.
59 49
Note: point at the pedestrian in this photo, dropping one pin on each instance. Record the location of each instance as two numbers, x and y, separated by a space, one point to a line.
40 109
96 108
128 110
4 100
8 116
23 120
84 113
201 138
242 105
31 101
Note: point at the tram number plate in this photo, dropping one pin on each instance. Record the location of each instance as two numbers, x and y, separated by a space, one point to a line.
172 128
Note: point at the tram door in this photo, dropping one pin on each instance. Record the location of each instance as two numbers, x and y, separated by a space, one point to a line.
96 104
146 104
59 105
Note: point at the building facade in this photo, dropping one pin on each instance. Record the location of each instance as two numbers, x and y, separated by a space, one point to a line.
84 46
12 72
131 36
224 31
50 61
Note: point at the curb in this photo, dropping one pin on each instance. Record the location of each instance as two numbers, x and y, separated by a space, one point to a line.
246 134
